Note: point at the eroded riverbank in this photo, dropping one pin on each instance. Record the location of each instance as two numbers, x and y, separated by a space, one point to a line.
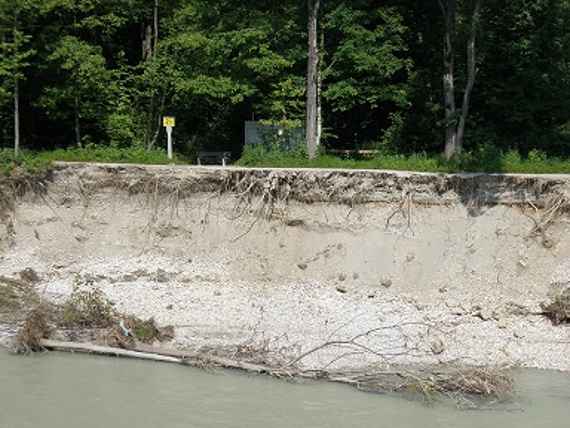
361 267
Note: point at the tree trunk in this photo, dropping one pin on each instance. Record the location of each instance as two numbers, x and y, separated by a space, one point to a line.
312 84
16 117
160 112
320 90
448 9
16 93
77 123
471 73
147 42
454 125
155 26
3 130
153 115
319 112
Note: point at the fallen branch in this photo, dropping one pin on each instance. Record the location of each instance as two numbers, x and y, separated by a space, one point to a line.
450 382
151 353
106 350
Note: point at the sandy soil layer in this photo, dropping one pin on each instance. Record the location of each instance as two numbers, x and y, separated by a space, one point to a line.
386 267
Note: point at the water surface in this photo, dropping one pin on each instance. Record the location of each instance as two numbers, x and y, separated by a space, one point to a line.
65 391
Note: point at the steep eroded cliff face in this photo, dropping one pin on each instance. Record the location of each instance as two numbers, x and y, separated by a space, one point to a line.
393 267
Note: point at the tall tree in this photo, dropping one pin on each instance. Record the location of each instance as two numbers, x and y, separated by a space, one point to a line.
372 69
455 120
366 72
312 126
83 91
156 108
15 56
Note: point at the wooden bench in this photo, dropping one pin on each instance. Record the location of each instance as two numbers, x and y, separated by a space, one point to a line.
214 158
363 153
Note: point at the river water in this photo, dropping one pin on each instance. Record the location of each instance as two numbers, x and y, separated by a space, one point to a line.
65 391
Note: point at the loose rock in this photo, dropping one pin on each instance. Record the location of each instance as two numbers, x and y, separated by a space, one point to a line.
341 289
437 346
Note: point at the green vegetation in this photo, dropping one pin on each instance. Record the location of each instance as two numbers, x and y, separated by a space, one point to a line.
108 154
42 161
559 309
88 309
27 161
80 73
486 159
10 296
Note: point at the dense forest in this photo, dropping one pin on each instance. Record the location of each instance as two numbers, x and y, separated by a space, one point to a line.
399 76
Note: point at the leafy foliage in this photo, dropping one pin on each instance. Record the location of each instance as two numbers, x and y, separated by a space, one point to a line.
217 63
88 309
485 159
38 162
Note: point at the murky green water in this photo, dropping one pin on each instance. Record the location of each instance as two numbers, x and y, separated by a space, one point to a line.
65 391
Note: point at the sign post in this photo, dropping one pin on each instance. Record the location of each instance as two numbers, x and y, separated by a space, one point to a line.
169 123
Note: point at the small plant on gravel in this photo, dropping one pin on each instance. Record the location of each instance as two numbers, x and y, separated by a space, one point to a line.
36 327
559 309
88 309
147 331
14 296
9 298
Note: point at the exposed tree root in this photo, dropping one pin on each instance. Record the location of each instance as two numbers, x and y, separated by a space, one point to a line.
13 187
555 207
404 209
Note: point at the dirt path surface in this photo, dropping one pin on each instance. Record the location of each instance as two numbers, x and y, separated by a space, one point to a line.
385 267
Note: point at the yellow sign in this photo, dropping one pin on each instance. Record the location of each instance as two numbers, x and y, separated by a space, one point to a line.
169 121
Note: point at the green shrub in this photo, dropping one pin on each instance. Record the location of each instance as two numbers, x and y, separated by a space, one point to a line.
485 158
27 161
109 154
120 127
41 161
88 309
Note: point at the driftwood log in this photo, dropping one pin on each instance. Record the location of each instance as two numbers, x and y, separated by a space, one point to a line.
429 382
150 353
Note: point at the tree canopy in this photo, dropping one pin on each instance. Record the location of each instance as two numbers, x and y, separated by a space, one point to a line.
105 71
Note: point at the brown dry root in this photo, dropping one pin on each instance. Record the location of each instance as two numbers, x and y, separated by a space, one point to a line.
558 310
485 382
404 209
555 207
18 184
260 194
36 327
263 196
16 296
467 387
13 187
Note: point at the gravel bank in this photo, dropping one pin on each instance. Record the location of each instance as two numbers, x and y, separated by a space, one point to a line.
412 272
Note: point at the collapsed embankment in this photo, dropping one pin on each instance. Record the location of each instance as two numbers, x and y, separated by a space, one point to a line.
323 269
